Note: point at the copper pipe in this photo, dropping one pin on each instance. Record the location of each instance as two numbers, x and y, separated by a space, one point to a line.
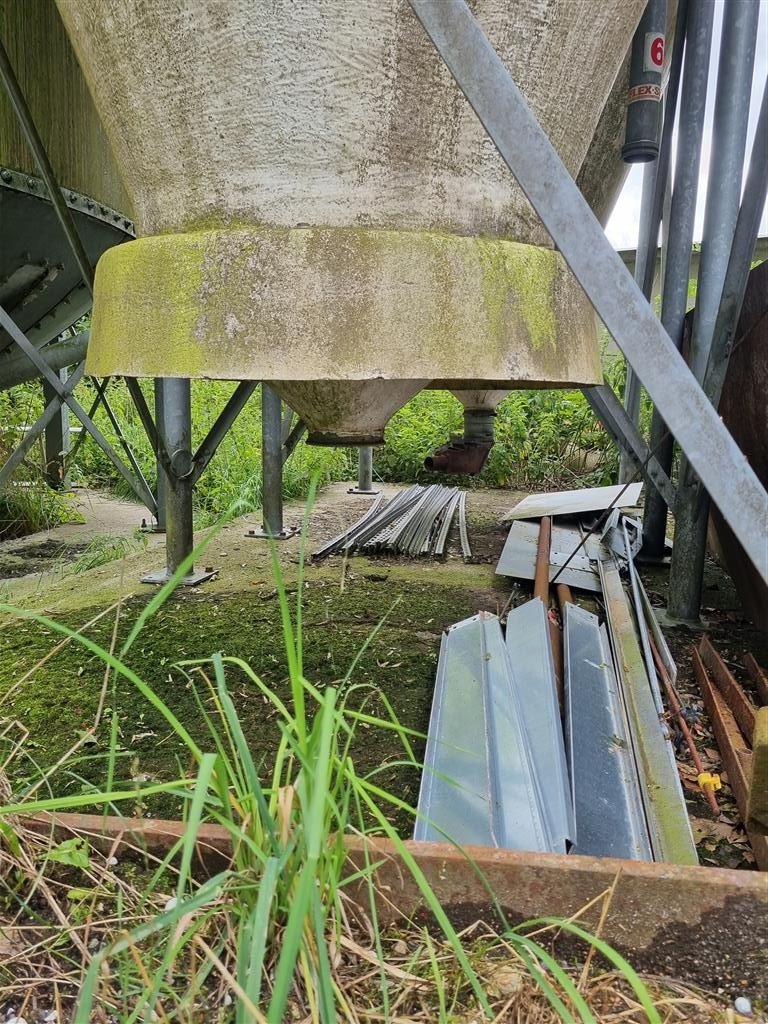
677 710
541 577
564 596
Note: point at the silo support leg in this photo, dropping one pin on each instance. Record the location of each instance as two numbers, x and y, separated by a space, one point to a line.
364 472
56 439
271 468
176 431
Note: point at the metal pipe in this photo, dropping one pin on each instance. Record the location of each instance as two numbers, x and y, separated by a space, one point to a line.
35 144
271 462
18 369
574 229
674 301
645 252
56 439
162 477
177 433
541 576
365 469
644 100
729 136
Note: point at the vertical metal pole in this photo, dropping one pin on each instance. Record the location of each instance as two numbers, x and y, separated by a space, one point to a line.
675 292
271 462
177 430
729 134
364 472
365 468
162 479
646 250
56 438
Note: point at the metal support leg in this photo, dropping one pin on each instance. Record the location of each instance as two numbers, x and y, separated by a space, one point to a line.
734 85
162 478
271 468
364 472
176 429
674 301
56 439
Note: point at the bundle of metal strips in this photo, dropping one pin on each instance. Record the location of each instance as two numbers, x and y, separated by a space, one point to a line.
415 522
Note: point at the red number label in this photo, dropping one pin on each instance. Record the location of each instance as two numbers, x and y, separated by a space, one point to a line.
657 51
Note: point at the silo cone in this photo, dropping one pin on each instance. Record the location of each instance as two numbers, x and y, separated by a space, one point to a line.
319 207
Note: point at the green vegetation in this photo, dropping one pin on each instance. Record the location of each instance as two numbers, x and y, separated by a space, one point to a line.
272 935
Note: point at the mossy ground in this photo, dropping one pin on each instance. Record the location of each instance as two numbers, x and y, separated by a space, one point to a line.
238 615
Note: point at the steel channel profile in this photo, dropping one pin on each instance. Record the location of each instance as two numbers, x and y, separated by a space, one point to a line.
525 148
478 786
657 633
533 679
466 550
610 821
660 787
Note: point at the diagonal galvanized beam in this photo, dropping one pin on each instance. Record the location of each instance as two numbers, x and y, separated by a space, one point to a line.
64 392
224 421
617 421
525 148
20 451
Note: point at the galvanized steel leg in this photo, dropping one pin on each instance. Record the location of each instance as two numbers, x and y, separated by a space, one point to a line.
162 478
176 430
271 468
364 472
56 439
734 87
674 301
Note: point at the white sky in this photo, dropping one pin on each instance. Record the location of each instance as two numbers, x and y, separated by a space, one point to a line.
623 224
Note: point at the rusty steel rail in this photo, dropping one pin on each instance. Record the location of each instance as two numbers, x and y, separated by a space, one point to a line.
734 752
758 676
741 708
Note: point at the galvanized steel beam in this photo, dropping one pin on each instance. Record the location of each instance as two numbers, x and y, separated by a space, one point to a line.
530 156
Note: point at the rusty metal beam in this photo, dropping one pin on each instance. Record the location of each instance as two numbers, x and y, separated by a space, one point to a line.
735 755
740 707
758 676
662 916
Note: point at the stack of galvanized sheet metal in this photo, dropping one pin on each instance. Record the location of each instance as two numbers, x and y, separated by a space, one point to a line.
415 522
552 736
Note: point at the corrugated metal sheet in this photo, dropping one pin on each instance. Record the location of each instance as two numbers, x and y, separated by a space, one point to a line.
533 677
478 785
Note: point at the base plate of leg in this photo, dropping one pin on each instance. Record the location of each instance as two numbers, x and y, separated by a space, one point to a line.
262 534
357 490
192 579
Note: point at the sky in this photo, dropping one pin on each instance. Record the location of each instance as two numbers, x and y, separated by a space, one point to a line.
623 224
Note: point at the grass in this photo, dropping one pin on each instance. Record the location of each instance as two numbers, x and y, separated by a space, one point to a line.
272 936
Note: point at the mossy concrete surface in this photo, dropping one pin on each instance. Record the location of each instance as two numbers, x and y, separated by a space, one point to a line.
238 614
317 304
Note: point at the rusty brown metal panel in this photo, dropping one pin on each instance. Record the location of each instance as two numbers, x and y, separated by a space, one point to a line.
741 708
695 923
736 757
759 678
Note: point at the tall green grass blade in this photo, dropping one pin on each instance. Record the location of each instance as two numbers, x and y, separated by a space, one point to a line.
618 961
255 932
558 973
